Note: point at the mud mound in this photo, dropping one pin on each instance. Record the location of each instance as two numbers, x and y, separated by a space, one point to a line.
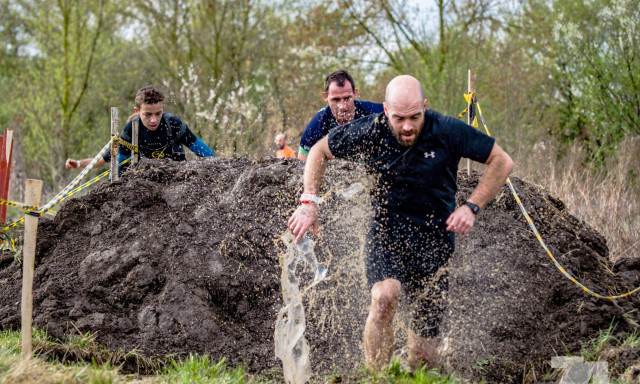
510 309
183 257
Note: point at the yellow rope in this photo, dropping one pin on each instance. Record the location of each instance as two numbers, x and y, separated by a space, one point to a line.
17 205
35 211
126 144
472 97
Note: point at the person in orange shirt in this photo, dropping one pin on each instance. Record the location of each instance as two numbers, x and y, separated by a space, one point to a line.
283 149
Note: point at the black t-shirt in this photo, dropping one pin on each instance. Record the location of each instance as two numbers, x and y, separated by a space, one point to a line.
165 141
416 183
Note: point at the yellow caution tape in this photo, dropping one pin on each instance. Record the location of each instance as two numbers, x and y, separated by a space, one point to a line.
126 144
13 225
6 237
535 230
18 205
469 97
76 180
62 196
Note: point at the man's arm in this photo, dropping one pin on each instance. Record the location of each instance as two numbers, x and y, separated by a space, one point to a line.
301 156
307 214
71 163
499 166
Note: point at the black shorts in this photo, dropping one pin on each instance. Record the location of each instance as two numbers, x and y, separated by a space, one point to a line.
415 257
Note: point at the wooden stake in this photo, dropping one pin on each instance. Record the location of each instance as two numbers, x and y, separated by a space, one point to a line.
471 89
134 141
6 148
33 192
115 175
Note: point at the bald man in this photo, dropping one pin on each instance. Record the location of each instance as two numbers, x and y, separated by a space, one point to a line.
283 149
415 153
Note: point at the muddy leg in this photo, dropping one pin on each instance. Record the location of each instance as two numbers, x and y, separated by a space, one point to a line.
378 331
422 349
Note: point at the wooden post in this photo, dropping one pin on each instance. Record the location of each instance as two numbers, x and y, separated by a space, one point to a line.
6 149
134 140
115 174
471 89
32 197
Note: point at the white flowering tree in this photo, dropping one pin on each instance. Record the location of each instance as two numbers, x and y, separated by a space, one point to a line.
601 66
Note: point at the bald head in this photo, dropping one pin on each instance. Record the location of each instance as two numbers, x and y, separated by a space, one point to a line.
404 105
281 141
404 89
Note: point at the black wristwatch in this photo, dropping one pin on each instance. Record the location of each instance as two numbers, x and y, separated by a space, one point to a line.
474 207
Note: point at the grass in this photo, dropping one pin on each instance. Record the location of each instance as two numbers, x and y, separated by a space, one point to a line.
615 350
395 372
593 349
201 369
608 199
14 369
52 366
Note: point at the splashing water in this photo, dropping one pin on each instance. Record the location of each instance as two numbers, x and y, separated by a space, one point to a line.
352 190
290 345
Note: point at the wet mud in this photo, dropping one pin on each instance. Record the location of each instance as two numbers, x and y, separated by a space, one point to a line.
179 258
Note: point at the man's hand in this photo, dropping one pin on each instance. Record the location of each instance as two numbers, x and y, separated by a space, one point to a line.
461 220
304 217
71 163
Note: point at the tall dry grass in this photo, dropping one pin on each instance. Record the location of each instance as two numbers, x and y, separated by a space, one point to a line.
608 199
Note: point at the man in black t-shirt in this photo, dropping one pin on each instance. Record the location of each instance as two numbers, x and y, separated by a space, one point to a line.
415 153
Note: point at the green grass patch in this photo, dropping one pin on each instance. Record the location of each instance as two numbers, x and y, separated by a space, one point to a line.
395 372
202 369
15 369
56 362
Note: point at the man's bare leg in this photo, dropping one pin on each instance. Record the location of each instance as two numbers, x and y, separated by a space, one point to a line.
378 331
422 349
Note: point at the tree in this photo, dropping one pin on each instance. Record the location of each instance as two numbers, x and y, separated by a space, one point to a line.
601 66
72 44
242 70
209 54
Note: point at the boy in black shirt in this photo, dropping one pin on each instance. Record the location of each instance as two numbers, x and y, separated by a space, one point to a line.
160 134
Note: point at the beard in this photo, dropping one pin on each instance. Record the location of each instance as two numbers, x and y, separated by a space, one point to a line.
345 118
405 142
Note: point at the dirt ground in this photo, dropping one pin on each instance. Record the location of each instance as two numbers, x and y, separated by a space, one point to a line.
184 257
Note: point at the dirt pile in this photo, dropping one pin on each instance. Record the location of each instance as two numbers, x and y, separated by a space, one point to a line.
183 257
510 308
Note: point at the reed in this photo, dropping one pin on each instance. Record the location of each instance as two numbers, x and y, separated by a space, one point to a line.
607 198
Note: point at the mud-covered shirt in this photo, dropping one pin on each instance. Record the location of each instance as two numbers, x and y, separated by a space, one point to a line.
416 183
322 122
168 140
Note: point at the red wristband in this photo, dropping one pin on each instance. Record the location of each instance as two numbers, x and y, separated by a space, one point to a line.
307 198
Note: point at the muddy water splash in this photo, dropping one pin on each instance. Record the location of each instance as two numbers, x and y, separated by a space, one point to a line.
290 345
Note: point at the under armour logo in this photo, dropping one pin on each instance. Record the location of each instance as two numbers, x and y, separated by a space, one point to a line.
431 154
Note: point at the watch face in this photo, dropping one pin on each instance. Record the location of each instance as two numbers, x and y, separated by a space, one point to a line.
474 208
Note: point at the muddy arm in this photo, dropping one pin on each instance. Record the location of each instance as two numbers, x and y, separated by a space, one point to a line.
307 214
499 166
